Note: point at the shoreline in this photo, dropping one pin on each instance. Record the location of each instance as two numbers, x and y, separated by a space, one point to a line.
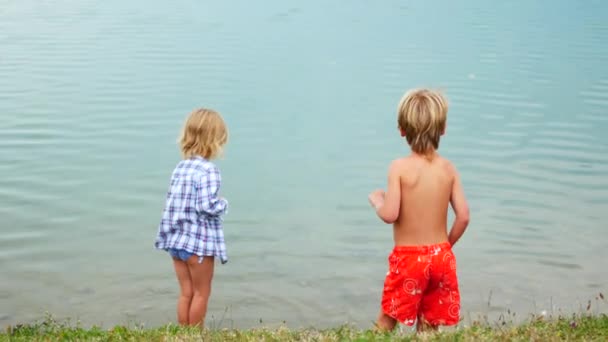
582 327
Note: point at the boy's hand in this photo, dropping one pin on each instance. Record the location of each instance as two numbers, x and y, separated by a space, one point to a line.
376 198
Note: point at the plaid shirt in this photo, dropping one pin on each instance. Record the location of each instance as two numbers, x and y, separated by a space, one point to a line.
192 218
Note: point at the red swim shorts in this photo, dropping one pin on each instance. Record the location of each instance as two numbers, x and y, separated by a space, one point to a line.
422 282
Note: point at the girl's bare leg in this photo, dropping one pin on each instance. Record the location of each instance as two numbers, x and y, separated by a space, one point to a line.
201 275
185 291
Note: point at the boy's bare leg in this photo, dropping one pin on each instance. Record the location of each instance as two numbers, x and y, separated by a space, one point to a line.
201 275
185 291
423 326
385 322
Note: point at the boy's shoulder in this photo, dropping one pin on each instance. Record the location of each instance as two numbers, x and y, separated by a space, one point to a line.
448 165
412 161
406 165
445 162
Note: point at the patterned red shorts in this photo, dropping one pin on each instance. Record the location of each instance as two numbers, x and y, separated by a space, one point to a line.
422 281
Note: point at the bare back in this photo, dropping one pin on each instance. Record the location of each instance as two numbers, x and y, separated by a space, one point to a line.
426 188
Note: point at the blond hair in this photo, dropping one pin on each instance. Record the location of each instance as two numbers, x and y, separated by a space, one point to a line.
204 134
422 116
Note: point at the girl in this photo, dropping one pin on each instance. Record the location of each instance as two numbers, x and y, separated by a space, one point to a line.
191 226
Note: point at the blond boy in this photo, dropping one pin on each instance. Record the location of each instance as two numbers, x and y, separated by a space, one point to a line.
421 285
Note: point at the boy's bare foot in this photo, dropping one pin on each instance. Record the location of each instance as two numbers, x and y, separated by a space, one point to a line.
422 326
385 323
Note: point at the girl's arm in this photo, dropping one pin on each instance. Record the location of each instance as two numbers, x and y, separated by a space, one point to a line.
208 199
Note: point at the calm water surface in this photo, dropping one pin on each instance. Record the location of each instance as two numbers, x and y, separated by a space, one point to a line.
93 94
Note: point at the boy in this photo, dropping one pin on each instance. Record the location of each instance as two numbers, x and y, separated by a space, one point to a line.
421 284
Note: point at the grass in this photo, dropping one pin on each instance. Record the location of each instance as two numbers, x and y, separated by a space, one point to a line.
575 328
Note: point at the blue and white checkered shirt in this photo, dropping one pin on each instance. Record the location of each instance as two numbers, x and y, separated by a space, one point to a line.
192 218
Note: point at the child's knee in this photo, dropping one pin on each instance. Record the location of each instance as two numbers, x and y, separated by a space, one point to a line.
187 293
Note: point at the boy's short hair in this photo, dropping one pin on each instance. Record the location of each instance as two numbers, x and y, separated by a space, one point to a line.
204 134
422 116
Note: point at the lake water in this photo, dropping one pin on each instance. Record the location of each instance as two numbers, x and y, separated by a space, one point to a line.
93 94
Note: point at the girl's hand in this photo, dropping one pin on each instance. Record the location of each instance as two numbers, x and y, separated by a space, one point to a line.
376 198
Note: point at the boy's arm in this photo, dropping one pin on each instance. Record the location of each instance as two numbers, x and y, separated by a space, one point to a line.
388 211
461 209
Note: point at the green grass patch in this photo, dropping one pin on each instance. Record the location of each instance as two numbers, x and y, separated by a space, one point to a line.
576 328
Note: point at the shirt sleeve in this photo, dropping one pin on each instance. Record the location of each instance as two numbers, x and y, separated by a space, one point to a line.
207 199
